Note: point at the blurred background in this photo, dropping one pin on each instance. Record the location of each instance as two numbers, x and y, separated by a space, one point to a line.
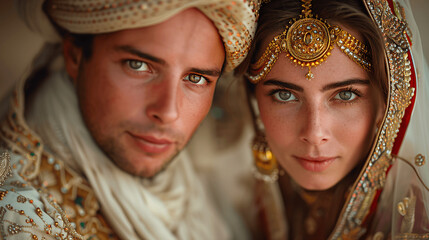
18 45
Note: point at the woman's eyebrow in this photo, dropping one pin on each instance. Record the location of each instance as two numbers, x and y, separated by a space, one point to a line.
346 83
284 84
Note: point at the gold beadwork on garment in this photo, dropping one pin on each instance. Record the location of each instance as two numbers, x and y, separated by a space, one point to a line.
400 13
14 229
364 207
5 169
420 160
64 188
63 231
377 173
3 194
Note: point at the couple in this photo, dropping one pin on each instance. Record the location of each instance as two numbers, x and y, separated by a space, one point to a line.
95 133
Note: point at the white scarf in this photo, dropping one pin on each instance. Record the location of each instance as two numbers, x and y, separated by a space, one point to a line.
171 206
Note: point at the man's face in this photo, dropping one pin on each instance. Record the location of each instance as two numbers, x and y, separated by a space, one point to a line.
144 91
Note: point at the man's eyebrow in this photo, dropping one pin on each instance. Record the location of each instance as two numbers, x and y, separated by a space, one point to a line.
284 84
209 72
346 83
134 51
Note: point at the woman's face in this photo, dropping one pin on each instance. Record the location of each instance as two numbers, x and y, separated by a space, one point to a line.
319 129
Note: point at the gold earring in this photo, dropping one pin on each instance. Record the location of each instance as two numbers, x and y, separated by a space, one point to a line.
265 162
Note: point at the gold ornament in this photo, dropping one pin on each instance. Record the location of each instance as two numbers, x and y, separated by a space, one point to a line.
420 160
265 161
308 41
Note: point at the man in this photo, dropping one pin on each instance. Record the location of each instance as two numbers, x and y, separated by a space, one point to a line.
94 137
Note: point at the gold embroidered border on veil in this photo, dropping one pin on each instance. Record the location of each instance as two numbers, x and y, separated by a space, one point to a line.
389 18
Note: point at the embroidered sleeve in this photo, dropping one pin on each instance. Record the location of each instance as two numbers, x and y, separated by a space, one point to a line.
28 214
5 169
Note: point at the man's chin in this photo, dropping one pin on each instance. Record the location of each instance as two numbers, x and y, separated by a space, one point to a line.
147 169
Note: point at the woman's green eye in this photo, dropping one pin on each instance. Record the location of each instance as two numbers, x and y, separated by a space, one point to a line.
284 96
345 95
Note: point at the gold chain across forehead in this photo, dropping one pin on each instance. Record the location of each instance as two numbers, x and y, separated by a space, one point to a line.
308 41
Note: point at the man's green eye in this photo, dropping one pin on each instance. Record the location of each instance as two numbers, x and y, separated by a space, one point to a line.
196 79
136 65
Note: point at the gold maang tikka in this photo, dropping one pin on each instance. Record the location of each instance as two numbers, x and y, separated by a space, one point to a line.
308 41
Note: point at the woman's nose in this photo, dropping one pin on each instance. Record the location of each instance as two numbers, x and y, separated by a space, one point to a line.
315 125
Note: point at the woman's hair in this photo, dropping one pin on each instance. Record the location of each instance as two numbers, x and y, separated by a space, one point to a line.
275 16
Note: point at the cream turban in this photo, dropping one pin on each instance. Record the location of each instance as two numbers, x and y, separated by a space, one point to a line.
235 20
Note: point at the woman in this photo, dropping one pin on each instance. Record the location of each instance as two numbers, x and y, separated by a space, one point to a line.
339 106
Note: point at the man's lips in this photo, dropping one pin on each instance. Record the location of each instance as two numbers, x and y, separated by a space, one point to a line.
151 144
153 139
315 164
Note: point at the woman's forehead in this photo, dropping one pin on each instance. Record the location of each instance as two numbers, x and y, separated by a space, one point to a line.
337 67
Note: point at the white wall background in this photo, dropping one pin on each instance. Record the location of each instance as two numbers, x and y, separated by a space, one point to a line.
18 45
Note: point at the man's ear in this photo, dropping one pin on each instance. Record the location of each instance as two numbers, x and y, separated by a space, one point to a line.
72 57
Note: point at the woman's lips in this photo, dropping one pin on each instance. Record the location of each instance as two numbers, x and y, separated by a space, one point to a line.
151 144
318 164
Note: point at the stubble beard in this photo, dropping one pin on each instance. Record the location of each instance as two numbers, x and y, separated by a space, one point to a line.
117 154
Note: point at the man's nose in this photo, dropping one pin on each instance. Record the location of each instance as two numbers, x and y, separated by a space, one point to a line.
164 101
